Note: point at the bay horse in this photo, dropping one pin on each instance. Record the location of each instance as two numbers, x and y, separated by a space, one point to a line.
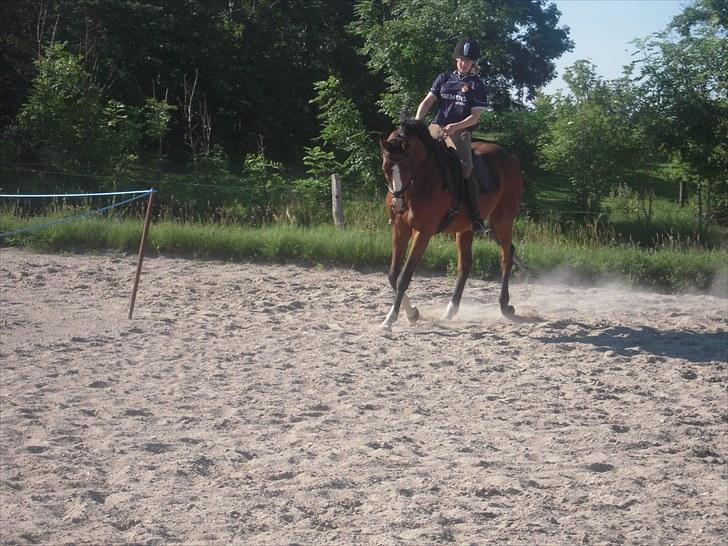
424 199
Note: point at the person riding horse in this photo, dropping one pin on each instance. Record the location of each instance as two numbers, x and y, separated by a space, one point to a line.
462 97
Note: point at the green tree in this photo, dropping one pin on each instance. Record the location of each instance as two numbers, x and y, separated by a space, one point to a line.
18 53
343 131
592 138
157 114
521 131
265 188
683 78
256 63
67 124
409 41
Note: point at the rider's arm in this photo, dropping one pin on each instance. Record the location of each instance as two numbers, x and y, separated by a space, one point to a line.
469 121
424 107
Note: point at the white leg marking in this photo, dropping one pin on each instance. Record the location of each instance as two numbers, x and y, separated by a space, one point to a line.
391 319
451 311
409 311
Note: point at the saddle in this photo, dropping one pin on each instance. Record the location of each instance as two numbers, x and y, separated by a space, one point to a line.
483 173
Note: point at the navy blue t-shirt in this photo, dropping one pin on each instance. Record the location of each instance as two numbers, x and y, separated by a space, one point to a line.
458 96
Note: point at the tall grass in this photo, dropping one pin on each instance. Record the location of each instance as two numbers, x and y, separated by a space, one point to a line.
660 269
543 250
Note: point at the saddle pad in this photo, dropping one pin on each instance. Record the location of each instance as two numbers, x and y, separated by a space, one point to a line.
480 168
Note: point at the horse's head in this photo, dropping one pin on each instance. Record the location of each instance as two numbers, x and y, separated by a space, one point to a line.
403 151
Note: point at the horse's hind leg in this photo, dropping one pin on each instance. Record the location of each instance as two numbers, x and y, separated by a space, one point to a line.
465 265
507 310
504 236
410 311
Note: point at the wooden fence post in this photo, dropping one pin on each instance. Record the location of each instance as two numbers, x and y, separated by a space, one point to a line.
140 259
337 207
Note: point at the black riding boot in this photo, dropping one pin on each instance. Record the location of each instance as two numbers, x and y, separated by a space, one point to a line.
471 191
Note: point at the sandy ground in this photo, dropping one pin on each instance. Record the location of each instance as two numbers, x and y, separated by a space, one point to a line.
261 404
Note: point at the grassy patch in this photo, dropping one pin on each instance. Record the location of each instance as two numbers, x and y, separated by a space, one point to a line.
668 269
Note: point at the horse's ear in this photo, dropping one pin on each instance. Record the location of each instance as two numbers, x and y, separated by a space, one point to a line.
382 143
405 145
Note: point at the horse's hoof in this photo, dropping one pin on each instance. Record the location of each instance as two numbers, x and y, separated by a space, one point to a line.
508 311
386 326
413 315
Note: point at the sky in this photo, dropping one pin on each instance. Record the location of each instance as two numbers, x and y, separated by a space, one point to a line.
603 29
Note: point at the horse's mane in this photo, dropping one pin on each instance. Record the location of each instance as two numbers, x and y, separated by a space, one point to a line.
413 127
446 159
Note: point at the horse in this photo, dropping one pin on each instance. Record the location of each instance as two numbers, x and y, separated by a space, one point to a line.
424 199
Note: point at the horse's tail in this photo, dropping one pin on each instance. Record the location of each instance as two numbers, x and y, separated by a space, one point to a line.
519 262
516 259
517 174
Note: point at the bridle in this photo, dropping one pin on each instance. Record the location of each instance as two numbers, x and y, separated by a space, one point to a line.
399 194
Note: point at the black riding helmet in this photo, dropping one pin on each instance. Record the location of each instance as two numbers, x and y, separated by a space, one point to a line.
467 48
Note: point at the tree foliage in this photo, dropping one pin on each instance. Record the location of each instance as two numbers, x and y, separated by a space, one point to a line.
409 42
343 130
255 62
68 123
232 90
592 137
683 78
521 131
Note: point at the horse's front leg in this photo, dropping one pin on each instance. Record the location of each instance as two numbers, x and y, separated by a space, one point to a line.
401 234
465 264
417 249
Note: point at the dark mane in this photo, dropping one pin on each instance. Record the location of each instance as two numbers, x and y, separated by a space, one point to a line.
413 127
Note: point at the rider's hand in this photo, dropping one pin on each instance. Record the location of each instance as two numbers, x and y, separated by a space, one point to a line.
449 130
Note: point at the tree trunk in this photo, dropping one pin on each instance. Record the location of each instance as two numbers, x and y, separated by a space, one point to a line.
700 209
680 200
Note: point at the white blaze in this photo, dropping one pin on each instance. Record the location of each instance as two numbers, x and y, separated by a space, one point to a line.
396 178
397 202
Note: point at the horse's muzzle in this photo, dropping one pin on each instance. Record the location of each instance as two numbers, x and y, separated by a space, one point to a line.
398 205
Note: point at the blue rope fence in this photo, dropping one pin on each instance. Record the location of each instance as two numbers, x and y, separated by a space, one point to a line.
140 194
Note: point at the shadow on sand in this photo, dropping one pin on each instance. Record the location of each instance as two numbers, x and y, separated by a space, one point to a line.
697 347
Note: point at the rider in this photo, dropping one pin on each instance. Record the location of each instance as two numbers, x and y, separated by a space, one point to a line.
462 98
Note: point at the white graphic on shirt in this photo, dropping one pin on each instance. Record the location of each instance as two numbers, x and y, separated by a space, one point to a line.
457 98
